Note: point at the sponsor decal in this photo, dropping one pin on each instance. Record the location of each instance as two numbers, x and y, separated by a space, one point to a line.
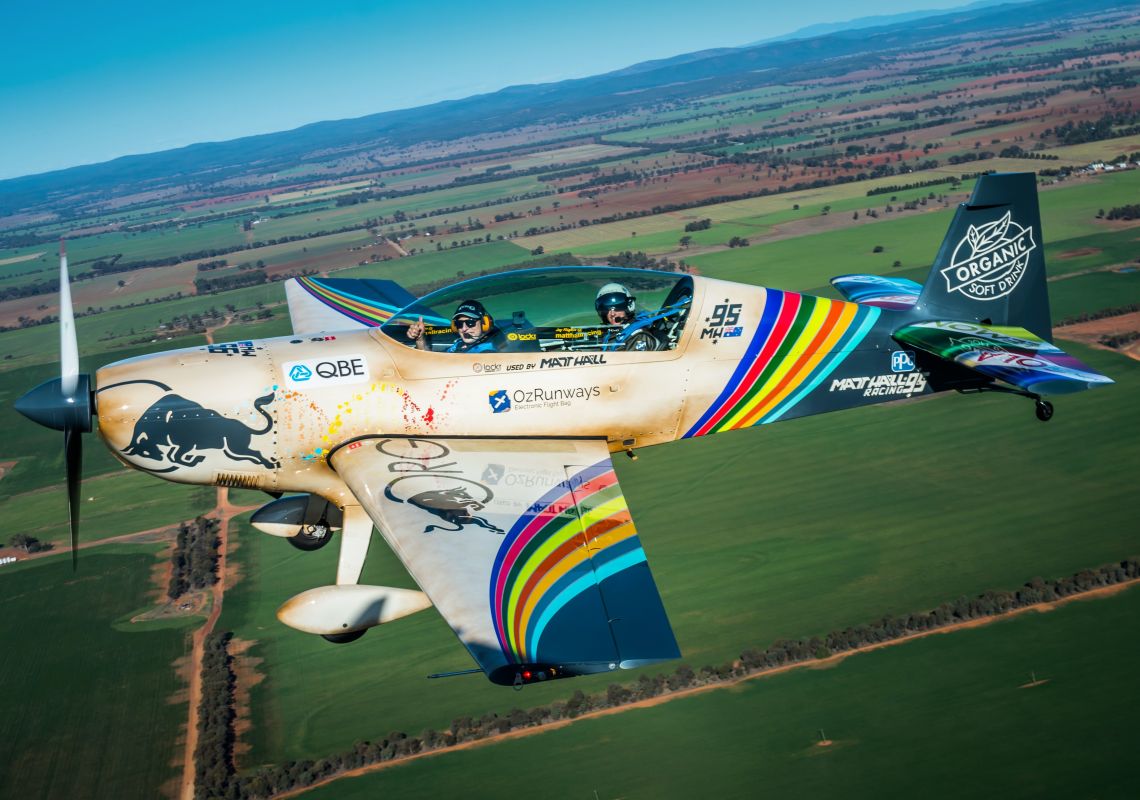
548 397
522 337
493 474
245 349
979 336
314 372
722 323
177 431
426 479
990 260
500 401
499 475
902 361
588 359
577 333
903 384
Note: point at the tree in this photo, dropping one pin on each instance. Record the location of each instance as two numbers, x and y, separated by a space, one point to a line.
686 241
30 543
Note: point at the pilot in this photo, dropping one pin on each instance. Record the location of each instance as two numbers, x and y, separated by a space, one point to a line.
476 329
617 307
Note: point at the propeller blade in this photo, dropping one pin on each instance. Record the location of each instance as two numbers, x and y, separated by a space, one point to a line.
73 447
68 343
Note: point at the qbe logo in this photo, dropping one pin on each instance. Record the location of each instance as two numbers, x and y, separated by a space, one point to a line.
314 372
902 361
499 401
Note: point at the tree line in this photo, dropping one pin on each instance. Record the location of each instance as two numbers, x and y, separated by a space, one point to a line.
214 752
217 777
195 559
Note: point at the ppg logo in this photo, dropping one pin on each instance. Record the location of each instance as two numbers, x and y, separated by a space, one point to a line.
499 401
300 373
902 361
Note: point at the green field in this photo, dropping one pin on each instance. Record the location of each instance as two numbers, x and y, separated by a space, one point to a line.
122 502
946 716
89 705
787 531
448 264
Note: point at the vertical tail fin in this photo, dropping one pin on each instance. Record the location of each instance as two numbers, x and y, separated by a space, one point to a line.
990 268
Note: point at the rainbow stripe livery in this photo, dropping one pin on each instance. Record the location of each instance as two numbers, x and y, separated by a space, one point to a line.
799 341
574 537
366 311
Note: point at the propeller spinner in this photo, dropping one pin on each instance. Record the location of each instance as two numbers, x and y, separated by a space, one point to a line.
65 403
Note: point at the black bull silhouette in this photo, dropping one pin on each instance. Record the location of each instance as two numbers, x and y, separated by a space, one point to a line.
453 506
185 428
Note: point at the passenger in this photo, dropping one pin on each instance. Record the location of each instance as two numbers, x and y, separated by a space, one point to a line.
616 306
476 329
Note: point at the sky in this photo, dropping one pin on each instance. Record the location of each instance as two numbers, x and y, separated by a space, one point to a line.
86 82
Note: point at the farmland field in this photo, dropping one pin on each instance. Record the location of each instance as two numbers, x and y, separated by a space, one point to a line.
972 726
90 706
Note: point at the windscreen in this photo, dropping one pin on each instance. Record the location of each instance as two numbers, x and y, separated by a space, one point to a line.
561 308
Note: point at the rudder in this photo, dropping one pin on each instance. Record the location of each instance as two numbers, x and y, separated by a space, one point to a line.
990 268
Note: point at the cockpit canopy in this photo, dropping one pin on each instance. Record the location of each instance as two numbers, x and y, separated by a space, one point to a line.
554 309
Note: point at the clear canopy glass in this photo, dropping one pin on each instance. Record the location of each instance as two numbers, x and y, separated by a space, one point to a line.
553 309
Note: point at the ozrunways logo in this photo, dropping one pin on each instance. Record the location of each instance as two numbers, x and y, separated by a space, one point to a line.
990 260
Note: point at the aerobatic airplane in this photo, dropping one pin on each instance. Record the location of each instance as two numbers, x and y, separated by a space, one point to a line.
474 427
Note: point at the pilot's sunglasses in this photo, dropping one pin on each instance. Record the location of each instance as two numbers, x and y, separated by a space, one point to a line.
464 322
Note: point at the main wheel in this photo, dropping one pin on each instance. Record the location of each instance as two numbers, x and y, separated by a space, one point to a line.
343 638
311 537
1044 410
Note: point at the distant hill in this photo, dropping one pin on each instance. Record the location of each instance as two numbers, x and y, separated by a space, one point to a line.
681 77
825 28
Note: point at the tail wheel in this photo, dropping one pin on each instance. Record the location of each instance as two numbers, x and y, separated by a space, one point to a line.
343 638
311 537
1044 410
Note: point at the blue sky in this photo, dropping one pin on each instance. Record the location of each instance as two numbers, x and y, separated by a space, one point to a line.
85 82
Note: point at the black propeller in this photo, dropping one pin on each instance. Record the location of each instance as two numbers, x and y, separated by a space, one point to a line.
65 403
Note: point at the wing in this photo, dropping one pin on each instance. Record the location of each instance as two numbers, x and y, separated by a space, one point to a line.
526 546
876 290
339 304
1013 355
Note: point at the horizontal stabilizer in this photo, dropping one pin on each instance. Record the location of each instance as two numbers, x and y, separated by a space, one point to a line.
338 304
1013 355
876 290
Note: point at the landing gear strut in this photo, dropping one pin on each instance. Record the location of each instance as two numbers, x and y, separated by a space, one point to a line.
1042 408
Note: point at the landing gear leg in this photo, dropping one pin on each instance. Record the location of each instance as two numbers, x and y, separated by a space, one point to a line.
1042 408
